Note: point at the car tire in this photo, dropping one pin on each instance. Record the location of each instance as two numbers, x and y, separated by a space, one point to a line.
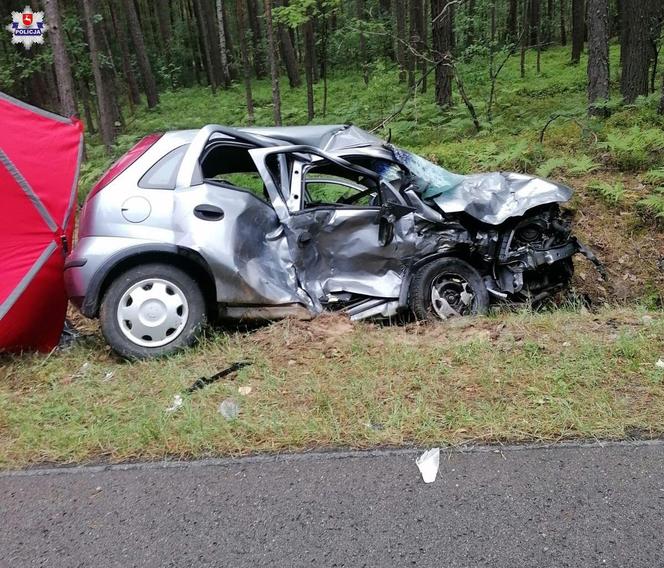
152 310
445 288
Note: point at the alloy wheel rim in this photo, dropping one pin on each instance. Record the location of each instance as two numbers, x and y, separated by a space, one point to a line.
452 296
152 312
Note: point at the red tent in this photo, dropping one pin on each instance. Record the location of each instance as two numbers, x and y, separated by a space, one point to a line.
40 155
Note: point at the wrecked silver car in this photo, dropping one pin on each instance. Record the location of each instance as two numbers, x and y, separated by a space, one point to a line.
262 223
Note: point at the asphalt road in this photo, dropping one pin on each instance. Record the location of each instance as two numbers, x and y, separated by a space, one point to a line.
519 507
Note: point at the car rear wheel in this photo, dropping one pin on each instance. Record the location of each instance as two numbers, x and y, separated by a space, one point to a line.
446 288
152 310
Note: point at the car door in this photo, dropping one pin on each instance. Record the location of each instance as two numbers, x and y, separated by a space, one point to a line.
231 224
360 245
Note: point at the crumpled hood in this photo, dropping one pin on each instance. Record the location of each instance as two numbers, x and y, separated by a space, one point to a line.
493 198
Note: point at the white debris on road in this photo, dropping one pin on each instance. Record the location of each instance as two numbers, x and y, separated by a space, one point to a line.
428 463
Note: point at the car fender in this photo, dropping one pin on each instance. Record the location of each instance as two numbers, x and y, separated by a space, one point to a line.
129 256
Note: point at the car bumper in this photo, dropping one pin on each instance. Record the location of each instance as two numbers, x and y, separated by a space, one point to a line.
87 259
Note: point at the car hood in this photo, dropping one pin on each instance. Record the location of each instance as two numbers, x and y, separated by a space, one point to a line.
495 197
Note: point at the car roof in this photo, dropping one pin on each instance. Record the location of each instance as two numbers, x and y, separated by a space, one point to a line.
328 137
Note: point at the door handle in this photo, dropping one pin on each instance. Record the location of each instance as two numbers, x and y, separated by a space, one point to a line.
209 212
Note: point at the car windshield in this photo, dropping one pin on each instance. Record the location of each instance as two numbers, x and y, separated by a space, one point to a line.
431 178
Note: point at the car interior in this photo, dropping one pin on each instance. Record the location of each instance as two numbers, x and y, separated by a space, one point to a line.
230 165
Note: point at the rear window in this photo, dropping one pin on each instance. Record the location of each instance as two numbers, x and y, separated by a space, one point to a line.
124 162
164 173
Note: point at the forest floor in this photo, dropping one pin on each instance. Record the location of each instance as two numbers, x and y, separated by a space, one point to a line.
586 369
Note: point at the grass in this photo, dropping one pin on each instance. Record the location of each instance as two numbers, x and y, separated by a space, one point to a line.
329 383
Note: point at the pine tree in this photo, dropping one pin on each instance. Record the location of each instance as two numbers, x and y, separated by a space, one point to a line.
274 65
106 123
65 82
598 56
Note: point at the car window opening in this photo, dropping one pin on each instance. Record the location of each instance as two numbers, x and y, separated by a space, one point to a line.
332 185
233 168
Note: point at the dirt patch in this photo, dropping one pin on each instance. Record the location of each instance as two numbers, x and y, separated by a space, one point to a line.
632 252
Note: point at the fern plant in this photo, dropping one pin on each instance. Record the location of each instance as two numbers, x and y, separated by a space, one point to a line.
654 177
612 194
552 164
635 148
582 165
653 205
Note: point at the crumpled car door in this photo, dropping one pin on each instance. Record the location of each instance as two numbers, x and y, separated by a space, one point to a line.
363 250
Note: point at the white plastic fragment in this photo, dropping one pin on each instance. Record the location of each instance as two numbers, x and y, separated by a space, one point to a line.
83 369
229 409
244 390
108 376
428 463
660 364
177 403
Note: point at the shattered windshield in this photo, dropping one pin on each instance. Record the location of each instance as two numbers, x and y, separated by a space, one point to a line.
431 179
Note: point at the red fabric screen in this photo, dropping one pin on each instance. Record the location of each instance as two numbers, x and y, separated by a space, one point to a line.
39 163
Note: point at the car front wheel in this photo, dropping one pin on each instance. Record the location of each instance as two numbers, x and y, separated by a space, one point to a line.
152 310
446 288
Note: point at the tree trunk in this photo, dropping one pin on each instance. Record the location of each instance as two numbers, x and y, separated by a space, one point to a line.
84 97
416 41
538 35
512 19
141 55
364 62
563 31
274 65
106 124
288 54
548 27
661 102
533 22
164 21
65 82
524 37
204 39
598 56
470 15
258 50
323 60
223 53
578 30
656 23
120 33
210 15
309 44
635 48
110 74
442 40
246 66
400 40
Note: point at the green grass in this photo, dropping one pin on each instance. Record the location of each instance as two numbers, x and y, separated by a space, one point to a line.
330 383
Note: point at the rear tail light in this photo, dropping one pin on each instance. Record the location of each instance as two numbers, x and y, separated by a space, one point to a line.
124 162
